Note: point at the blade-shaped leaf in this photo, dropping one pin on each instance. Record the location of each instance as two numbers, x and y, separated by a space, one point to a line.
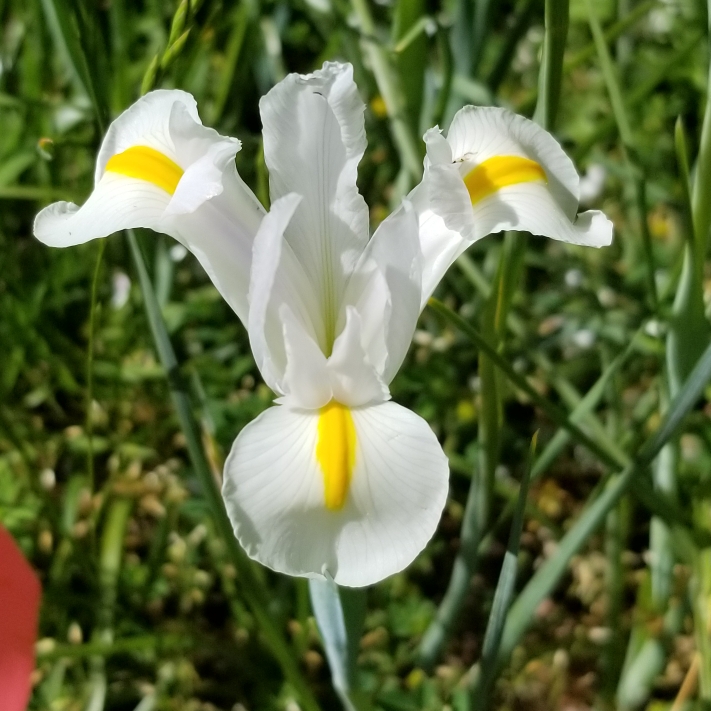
340 613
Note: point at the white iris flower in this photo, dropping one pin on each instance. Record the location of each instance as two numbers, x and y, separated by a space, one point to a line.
335 481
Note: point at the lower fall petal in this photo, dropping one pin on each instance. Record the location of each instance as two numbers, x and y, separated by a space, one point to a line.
354 494
118 202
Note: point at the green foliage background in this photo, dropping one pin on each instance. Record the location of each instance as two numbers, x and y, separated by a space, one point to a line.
145 605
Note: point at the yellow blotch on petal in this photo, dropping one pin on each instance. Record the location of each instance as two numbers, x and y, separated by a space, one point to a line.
336 452
499 172
147 164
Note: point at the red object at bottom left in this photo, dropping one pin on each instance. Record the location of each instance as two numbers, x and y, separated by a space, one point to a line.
20 593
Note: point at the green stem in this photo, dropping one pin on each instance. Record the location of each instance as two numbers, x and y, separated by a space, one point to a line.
109 567
472 532
480 690
701 594
90 368
551 74
700 203
386 79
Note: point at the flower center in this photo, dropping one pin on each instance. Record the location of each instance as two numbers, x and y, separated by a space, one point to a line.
499 172
147 164
335 452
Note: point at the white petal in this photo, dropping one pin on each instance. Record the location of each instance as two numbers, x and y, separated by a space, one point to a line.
146 123
549 209
306 380
440 245
449 223
313 140
117 203
439 152
265 334
444 211
274 493
220 234
529 207
486 132
368 293
395 250
354 380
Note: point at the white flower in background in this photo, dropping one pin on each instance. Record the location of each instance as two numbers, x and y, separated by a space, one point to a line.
336 480
121 290
592 183
497 171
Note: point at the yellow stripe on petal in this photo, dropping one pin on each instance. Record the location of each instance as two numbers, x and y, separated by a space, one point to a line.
335 452
147 164
499 172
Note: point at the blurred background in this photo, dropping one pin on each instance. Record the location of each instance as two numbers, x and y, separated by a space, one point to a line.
106 486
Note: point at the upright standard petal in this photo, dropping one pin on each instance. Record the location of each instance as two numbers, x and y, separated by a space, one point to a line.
313 140
497 171
354 494
19 603
160 168
385 290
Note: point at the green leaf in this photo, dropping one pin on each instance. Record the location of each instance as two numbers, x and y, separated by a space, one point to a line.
65 26
410 62
550 76
502 596
340 613
549 574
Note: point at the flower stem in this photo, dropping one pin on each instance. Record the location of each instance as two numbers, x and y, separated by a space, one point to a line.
90 368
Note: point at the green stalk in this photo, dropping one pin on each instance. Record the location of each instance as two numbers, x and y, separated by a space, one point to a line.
253 591
611 34
700 204
447 67
655 501
550 76
614 651
480 690
549 574
625 130
410 61
386 79
90 368
340 614
480 34
475 521
109 567
689 310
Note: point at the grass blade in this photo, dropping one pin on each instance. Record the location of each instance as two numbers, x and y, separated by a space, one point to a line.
503 594
409 148
625 130
340 613
700 207
547 576
64 24
550 76
611 458
410 62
